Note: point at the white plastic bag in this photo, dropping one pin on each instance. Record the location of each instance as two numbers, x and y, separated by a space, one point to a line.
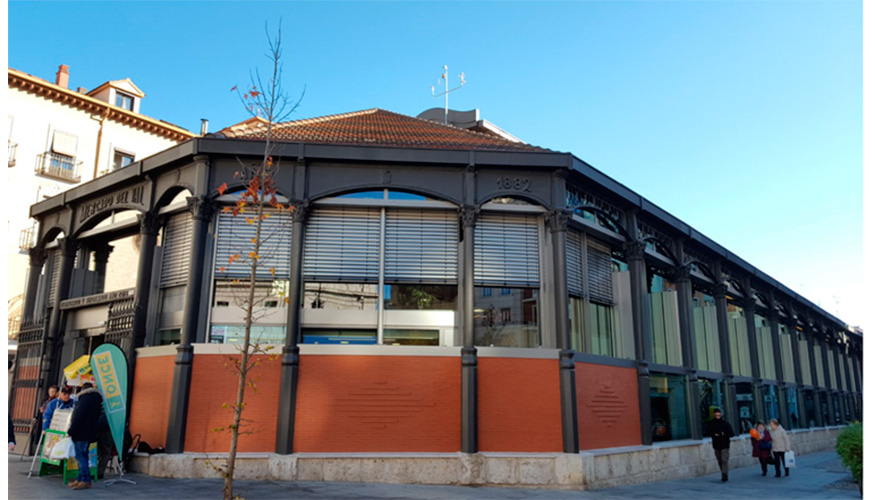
790 459
64 449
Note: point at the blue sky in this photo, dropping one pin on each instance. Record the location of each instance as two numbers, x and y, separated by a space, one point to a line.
744 119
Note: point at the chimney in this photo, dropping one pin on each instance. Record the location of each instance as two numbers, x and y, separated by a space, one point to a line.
63 75
205 125
82 90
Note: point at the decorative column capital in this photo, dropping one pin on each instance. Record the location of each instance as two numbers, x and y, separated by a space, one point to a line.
150 223
680 273
301 211
634 250
101 253
558 220
201 207
749 304
719 290
37 256
68 246
774 315
468 214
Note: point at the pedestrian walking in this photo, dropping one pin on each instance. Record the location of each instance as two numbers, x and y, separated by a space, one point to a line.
780 445
761 442
720 432
84 426
62 402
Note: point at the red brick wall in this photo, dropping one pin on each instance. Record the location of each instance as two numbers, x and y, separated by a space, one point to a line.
519 406
150 399
378 404
214 384
607 406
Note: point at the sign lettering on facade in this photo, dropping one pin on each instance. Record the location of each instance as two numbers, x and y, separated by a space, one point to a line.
96 299
129 196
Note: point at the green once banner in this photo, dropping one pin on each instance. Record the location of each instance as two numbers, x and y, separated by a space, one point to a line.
110 369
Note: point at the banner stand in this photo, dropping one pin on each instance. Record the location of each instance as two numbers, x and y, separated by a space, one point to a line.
121 476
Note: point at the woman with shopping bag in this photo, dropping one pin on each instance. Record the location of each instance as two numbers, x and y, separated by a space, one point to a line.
761 442
780 446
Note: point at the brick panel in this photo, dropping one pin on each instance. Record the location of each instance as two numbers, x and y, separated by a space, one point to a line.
150 399
378 404
519 407
607 406
214 384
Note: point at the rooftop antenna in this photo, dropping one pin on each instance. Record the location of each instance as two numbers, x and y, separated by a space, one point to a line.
447 90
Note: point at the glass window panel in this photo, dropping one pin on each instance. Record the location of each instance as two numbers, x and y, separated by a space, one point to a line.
420 297
576 316
492 329
770 400
668 402
340 296
364 195
744 397
401 195
705 331
411 337
169 336
235 293
810 410
711 398
600 326
665 321
738 341
793 409
261 334
339 336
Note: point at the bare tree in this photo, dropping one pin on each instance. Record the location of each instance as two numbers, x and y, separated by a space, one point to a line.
267 101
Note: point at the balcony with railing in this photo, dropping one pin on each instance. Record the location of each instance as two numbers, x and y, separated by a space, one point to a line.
27 239
13 147
58 166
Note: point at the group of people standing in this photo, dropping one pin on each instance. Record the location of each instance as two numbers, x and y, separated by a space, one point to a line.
769 445
88 424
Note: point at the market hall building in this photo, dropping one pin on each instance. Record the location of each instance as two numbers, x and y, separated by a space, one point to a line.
436 290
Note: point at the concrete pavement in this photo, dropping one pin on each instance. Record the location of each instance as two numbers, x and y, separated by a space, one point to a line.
819 476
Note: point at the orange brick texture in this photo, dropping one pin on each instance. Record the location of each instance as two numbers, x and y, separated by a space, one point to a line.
378 404
150 399
519 405
607 406
214 383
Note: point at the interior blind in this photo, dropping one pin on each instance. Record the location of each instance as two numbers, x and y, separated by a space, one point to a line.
574 262
64 143
176 245
235 236
342 244
421 246
506 250
55 276
600 278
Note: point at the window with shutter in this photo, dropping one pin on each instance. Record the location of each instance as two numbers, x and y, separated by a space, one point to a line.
574 263
421 246
235 236
176 243
342 244
64 143
506 250
600 278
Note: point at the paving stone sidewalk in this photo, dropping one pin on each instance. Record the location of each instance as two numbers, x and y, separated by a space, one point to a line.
819 476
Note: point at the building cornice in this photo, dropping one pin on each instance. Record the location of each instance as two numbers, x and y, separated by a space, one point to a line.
38 86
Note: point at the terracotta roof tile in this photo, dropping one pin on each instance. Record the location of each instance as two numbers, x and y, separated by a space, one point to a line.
375 127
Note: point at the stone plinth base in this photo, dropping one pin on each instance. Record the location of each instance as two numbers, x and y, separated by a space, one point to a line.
587 470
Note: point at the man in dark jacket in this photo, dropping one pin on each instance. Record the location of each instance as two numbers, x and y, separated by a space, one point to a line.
83 430
720 432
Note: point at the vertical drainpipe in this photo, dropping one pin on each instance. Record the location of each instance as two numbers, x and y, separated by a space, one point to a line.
558 222
285 432
99 141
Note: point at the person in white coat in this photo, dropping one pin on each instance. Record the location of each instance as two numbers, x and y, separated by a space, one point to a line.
780 445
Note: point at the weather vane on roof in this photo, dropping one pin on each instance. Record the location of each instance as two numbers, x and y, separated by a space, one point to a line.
447 90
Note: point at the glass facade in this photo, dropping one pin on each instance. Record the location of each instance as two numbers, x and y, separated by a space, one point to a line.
420 297
668 403
340 296
230 334
744 399
706 332
810 409
739 344
770 401
506 320
665 321
793 409
786 343
711 398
